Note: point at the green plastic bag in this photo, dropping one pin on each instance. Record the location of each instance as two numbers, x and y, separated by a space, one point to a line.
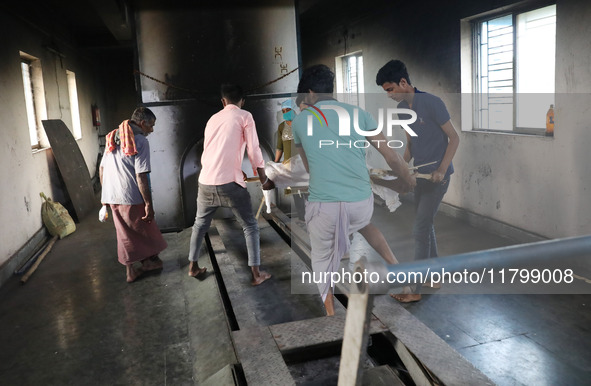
56 218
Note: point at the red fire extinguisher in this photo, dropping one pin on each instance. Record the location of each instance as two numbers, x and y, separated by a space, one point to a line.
96 116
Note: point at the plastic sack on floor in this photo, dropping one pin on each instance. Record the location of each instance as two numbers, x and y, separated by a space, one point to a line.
56 218
290 173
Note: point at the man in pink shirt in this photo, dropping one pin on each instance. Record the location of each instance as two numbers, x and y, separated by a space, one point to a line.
221 182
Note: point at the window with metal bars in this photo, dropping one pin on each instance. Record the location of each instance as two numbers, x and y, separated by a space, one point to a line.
351 79
514 68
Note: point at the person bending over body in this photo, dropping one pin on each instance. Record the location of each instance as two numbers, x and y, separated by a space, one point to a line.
341 200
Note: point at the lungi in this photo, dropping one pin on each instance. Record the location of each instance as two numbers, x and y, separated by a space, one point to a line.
136 239
329 226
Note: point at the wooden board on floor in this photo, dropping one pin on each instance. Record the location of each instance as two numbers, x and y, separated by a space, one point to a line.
72 166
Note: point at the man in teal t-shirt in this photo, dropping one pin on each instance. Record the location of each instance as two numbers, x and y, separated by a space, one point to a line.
340 201
338 169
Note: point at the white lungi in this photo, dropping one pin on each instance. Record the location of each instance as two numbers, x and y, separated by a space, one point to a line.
329 226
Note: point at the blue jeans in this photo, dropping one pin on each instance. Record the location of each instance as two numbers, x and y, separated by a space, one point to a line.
234 196
428 196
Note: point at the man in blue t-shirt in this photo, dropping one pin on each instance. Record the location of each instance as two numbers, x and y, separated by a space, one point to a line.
333 152
435 144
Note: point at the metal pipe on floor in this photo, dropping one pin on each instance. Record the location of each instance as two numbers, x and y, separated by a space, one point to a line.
32 270
38 251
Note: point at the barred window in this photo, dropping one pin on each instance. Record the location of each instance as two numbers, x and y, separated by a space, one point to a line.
514 58
349 79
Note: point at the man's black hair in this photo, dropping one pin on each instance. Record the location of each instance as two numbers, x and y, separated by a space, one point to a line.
318 78
392 72
232 92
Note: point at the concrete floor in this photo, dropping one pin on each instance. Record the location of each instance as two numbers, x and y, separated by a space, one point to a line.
77 321
514 339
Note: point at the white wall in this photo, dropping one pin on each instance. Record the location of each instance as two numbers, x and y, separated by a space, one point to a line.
542 185
539 184
23 173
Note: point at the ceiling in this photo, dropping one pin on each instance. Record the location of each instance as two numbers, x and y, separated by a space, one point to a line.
96 24
87 23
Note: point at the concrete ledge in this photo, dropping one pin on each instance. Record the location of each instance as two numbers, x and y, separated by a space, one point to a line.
431 351
381 376
261 359
225 377
311 332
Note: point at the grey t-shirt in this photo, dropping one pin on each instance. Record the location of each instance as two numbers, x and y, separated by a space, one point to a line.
431 143
119 172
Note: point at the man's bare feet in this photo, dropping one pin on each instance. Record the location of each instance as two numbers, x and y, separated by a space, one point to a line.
152 263
260 278
194 269
133 274
406 298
